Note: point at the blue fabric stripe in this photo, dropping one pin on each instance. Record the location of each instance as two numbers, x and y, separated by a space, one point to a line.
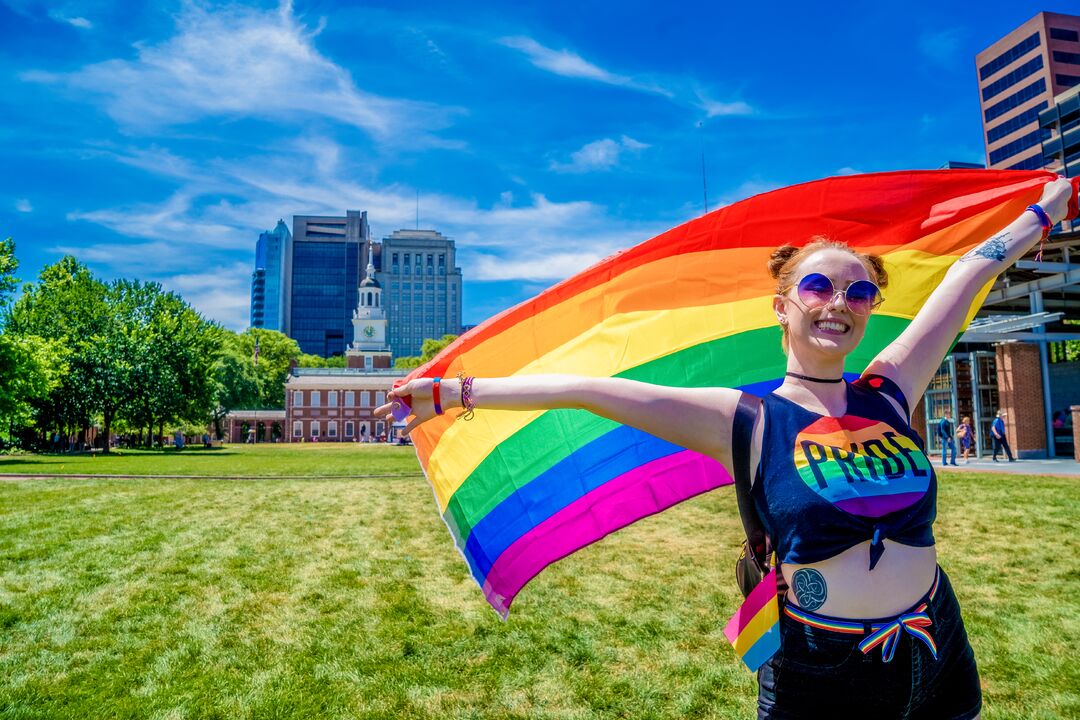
590 466
765 647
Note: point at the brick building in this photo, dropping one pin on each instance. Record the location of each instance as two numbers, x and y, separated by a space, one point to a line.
337 404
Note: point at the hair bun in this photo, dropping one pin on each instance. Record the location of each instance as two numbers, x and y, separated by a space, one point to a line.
779 259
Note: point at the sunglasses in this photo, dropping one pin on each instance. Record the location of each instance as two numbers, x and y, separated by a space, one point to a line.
816 290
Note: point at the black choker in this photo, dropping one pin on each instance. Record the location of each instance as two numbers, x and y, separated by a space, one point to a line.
814 379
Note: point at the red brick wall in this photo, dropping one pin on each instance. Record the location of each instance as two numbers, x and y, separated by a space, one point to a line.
1019 377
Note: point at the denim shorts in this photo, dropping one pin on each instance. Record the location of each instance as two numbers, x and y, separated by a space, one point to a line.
821 673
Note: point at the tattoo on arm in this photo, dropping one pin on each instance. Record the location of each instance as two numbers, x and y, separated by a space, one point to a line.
992 249
809 588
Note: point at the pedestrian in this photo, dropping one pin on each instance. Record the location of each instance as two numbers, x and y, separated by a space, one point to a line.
945 435
965 433
997 430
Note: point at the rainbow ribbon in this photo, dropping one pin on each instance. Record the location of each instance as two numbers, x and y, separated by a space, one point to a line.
754 629
888 636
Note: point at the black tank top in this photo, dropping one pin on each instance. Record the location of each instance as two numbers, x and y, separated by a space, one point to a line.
826 484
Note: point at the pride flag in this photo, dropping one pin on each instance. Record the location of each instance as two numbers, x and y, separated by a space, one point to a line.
754 629
691 307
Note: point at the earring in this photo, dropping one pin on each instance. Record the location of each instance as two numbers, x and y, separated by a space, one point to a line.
783 320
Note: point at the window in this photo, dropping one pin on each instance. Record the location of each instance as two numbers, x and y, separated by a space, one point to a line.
393 258
1021 48
1067 57
1006 81
1003 106
1016 146
430 259
316 401
314 428
297 429
1032 163
379 428
1015 123
349 429
331 398
368 363
298 398
1063 34
350 398
1066 80
331 429
442 259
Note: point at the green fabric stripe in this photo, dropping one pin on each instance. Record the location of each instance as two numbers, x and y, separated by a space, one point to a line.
558 433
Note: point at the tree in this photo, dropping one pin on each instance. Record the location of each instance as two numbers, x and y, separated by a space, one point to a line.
244 385
31 369
305 360
428 350
8 266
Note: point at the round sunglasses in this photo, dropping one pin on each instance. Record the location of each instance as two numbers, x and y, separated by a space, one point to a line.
816 290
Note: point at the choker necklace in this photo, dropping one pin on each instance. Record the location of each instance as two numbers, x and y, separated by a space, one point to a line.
814 379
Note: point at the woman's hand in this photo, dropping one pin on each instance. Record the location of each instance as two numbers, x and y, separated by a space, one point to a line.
1055 199
420 398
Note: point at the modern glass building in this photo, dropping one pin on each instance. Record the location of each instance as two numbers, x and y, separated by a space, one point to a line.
322 273
1019 76
267 306
421 288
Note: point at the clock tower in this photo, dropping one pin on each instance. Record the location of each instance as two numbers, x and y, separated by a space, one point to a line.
369 348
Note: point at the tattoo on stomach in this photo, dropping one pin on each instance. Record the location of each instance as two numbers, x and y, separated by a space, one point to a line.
809 588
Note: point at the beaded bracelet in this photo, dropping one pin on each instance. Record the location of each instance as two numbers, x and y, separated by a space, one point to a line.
436 396
466 396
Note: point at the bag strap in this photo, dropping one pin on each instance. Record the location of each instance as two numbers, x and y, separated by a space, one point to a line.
742 432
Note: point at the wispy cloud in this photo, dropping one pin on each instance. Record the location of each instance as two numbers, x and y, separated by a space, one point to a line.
75 21
715 108
942 47
243 62
570 64
23 205
598 155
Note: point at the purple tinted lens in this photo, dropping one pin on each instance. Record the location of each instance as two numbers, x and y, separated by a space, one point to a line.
861 296
816 290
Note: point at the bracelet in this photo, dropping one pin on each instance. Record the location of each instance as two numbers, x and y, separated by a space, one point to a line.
1044 220
466 396
435 396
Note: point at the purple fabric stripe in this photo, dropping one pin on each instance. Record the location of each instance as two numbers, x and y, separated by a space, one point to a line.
879 505
641 492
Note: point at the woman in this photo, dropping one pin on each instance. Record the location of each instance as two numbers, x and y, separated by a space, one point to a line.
964 433
870 623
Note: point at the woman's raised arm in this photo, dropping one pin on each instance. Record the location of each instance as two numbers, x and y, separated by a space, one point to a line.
914 357
695 418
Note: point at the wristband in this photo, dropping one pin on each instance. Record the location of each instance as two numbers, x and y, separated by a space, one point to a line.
436 397
1044 219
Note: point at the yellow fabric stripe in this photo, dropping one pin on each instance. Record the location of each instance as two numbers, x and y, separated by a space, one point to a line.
768 616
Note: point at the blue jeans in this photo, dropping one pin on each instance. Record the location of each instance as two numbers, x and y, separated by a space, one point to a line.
947 446
823 674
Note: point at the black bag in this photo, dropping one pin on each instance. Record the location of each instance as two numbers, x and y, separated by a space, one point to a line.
756 555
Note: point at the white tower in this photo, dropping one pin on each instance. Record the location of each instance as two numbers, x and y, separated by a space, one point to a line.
369 346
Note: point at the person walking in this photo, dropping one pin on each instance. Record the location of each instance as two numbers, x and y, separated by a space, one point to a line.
945 435
966 435
997 430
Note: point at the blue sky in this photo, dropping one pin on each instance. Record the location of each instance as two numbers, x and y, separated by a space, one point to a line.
156 141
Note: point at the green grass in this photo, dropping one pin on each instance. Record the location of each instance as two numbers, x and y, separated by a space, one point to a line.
264 460
305 598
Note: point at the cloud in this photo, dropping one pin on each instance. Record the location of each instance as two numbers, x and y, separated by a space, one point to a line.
79 22
598 155
23 205
570 64
848 170
242 62
714 108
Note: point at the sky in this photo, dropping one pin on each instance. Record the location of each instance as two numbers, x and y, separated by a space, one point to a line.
156 140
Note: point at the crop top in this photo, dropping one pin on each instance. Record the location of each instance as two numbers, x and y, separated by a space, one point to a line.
826 484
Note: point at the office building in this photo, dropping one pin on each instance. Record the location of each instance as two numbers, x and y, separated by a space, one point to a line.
1061 144
267 306
1019 76
321 278
421 288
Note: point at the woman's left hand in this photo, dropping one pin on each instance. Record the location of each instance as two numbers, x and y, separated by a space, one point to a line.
1055 199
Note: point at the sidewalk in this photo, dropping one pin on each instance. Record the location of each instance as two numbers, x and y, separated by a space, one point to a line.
1055 466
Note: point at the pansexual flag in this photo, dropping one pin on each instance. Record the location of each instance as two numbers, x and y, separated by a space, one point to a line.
754 629
691 307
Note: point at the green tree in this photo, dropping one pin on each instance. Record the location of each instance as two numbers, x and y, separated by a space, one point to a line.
8 266
30 369
305 360
428 350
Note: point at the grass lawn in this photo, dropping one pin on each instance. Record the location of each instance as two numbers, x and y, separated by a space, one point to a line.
341 598
264 460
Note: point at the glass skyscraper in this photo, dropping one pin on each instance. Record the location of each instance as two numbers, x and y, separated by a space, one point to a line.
322 274
267 307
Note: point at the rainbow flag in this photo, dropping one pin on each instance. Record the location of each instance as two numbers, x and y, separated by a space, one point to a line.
691 307
754 630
